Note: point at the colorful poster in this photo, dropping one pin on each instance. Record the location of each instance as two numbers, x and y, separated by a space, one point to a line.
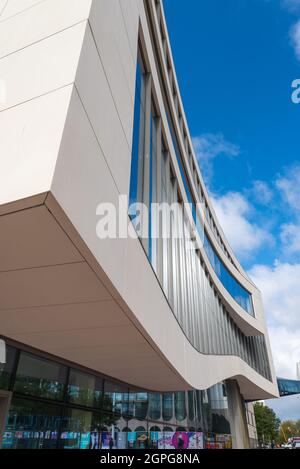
143 440
85 440
165 440
195 440
105 438
95 440
180 440
154 437
131 439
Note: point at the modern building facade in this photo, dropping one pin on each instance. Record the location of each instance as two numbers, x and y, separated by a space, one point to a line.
156 329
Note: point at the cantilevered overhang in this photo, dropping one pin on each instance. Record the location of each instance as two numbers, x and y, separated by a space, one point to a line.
55 297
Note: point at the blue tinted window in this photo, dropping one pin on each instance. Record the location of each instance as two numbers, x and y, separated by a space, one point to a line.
133 191
151 161
154 406
180 408
239 294
167 406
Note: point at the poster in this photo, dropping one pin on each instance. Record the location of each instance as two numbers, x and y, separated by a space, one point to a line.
180 440
196 440
131 439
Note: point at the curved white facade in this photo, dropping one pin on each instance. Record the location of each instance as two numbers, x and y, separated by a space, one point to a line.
69 69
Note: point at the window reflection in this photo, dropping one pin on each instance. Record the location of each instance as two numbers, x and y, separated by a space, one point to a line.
85 389
191 405
76 428
31 425
111 411
154 406
180 408
239 294
167 400
138 404
40 377
115 398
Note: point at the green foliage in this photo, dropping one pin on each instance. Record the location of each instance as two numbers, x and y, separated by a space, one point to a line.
267 423
289 428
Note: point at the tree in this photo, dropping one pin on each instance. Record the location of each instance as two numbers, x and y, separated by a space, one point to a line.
267 423
289 428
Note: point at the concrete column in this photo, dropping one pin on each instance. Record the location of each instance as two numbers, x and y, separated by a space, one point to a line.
237 416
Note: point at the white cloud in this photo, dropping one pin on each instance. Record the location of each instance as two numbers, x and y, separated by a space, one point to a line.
208 147
233 211
289 184
290 238
285 344
261 192
281 293
295 37
279 285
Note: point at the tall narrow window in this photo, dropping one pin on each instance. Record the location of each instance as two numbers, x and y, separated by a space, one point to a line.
140 192
153 157
138 160
167 406
180 408
154 405
138 136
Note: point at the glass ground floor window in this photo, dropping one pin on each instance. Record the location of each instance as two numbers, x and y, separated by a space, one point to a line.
55 405
32 425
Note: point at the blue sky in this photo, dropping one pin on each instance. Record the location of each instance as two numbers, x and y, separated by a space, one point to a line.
235 62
